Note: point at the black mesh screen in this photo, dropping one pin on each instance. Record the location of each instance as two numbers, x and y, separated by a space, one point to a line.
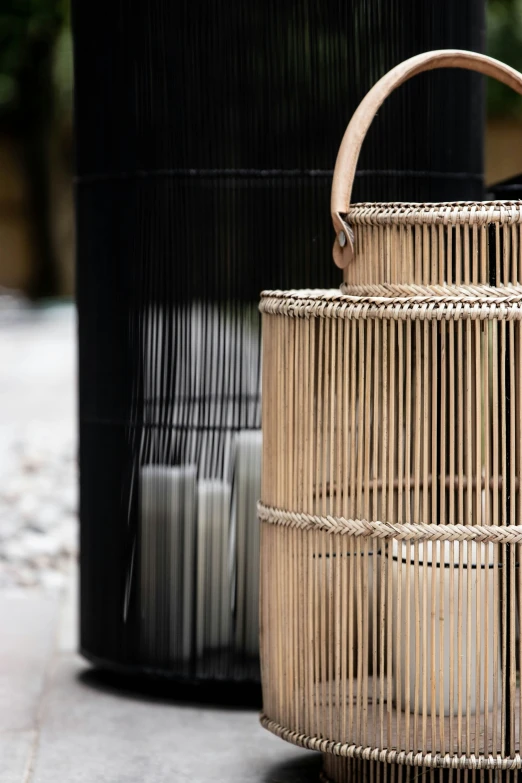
206 136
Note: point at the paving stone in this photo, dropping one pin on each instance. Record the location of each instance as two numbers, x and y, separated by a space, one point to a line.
90 734
15 755
28 629
68 633
37 356
38 470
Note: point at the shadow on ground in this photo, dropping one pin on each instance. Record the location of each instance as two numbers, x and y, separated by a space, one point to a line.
209 694
299 770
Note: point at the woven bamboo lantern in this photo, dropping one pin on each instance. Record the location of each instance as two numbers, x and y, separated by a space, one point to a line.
391 511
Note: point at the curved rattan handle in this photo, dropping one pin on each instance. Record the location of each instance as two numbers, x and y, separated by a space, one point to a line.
350 148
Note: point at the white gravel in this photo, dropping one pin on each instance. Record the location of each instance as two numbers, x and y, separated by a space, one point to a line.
38 455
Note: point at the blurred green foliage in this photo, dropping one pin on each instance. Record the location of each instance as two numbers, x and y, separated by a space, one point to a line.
504 42
26 27
63 71
36 108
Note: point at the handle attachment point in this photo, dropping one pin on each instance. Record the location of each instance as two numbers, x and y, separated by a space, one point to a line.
343 250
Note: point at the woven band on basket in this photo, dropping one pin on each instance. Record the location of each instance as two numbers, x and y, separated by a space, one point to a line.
467 213
362 528
409 759
399 302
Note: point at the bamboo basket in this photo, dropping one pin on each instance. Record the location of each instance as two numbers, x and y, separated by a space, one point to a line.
391 508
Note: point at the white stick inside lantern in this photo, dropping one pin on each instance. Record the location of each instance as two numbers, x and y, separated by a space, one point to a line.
213 590
167 563
468 596
245 538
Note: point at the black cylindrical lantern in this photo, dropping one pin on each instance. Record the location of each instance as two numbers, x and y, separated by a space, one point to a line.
206 137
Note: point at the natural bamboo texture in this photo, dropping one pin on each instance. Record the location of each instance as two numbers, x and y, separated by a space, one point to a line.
429 245
391 490
392 454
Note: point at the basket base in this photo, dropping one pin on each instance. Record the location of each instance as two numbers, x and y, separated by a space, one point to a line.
345 770
486 761
352 765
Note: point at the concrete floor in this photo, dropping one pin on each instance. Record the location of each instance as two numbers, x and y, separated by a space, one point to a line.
60 721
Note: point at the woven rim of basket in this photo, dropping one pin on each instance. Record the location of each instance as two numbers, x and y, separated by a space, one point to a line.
405 758
398 301
464 212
